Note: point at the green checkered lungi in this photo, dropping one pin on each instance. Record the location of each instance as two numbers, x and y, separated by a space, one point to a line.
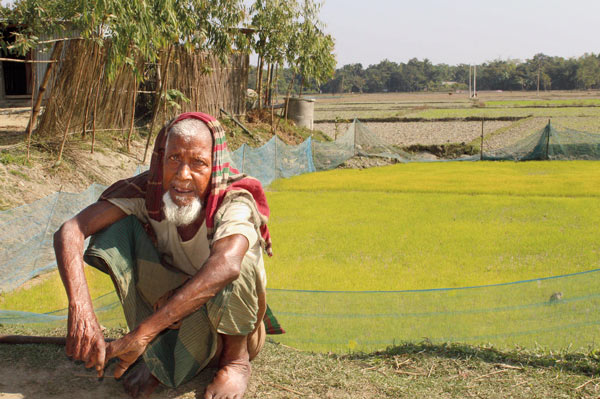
126 253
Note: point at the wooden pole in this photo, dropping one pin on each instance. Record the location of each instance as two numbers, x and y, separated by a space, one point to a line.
538 80
157 103
271 99
132 113
33 339
96 50
470 81
73 105
475 81
548 140
481 146
28 61
259 87
35 110
287 97
94 114
33 78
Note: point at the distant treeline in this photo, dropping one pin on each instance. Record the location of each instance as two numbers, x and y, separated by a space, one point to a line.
556 73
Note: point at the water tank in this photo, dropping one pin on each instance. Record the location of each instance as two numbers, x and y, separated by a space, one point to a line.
301 111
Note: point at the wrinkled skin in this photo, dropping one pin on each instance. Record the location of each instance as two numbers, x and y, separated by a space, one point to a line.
234 370
85 341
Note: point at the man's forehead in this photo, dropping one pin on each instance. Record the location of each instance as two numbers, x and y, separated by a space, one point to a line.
189 133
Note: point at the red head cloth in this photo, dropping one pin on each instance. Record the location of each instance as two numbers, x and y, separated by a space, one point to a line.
224 179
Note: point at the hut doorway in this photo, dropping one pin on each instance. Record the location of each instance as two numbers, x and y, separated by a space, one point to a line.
16 76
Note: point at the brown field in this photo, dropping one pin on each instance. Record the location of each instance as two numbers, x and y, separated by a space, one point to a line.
424 133
445 97
454 106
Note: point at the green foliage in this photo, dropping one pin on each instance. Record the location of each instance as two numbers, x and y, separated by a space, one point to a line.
274 24
310 52
554 73
174 97
158 24
588 74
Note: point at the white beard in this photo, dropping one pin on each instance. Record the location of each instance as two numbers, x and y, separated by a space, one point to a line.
181 215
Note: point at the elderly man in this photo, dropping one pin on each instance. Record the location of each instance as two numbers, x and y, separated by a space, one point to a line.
186 263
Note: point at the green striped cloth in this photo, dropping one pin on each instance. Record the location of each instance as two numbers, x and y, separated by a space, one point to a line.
126 253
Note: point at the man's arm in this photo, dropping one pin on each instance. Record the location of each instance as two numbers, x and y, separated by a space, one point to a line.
221 268
85 341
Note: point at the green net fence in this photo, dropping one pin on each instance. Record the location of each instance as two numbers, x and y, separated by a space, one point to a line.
553 313
551 144
26 234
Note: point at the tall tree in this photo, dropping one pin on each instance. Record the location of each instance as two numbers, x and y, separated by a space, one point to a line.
310 53
588 74
273 21
138 29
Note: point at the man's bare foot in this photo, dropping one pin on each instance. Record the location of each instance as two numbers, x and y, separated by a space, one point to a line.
230 382
234 369
140 382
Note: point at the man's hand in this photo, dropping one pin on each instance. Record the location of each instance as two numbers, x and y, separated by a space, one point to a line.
85 341
84 338
128 349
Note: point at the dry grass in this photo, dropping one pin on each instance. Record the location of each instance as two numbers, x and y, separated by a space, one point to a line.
411 370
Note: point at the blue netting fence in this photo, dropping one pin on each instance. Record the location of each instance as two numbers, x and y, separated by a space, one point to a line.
553 313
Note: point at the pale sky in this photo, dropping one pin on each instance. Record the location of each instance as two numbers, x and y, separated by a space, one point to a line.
460 31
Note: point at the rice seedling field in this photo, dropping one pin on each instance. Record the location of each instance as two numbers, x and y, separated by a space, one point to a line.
427 225
386 254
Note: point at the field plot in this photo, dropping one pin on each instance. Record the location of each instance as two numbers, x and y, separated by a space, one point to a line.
386 254
442 118
448 105
500 221
548 112
424 133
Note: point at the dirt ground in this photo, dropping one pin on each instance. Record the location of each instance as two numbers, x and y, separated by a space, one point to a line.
446 97
424 133
405 371
25 184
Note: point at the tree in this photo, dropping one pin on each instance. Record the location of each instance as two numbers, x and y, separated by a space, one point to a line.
273 21
158 26
588 74
310 53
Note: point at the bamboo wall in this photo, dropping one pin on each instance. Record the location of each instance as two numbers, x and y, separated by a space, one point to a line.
207 83
82 95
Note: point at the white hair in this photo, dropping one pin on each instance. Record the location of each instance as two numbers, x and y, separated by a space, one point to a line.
188 127
181 215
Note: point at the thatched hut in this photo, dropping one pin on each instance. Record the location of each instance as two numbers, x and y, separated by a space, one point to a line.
82 97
